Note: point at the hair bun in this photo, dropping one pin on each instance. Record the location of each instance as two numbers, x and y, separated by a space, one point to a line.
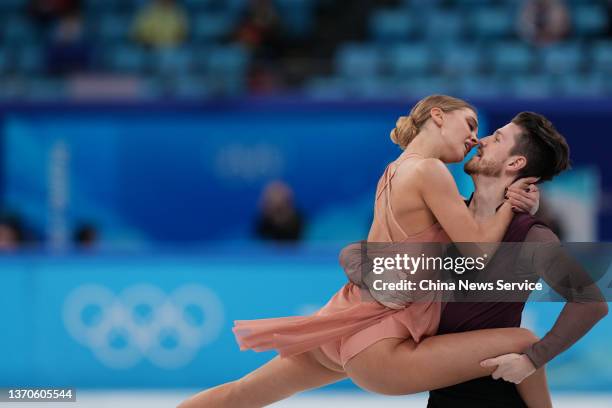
404 131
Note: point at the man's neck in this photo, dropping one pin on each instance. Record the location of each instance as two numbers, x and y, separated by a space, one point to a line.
488 195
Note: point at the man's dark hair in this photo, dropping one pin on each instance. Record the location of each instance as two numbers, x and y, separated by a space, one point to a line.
545 149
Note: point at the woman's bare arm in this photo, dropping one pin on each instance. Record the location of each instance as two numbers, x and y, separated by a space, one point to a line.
440 194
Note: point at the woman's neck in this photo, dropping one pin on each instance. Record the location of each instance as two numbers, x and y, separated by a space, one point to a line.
423 145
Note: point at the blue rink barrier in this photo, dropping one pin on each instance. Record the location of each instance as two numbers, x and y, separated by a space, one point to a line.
164 320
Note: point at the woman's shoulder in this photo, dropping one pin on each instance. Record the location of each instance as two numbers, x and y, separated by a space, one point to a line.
428 174
424 169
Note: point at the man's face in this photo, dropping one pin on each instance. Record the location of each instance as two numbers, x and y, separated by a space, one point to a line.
493 152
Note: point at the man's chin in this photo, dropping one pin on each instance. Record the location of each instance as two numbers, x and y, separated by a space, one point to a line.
470 167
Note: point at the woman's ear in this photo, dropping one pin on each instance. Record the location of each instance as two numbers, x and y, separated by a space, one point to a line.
437 115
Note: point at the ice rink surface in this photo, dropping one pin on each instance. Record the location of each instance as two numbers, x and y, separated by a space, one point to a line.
316 399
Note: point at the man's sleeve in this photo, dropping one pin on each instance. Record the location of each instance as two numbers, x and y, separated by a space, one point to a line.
564 275
351 260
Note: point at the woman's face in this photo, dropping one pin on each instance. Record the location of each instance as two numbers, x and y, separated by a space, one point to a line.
459 130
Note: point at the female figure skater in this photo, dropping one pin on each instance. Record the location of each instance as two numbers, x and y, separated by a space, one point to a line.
385 350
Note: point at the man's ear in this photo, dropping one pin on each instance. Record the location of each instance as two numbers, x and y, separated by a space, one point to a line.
437 116
516 163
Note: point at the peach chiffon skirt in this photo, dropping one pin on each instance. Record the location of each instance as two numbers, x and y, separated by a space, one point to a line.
345 326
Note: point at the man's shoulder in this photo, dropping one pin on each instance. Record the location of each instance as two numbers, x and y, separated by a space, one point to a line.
541 233
520 227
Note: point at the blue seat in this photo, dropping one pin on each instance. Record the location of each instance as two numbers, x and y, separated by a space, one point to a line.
444 25
8 89
45 89
591 85
420 86
589 20
601 56
5 61
114 28
392 25
127 59
194 5
297 15
227 61
459 58
480 86
190 88
173 61
366 87
409 59
562 58
493 22
325 88
228 86
29 59
209 27
297 5
532 86
234 7
98 8
358 60
512 57
17 30
8 6
421 4
479 3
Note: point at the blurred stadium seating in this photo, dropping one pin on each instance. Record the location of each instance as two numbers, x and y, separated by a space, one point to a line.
456 43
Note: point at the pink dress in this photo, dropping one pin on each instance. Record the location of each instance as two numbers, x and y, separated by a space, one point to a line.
346 325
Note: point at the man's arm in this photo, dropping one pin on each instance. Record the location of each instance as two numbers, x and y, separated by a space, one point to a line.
351 261
578 315
575 320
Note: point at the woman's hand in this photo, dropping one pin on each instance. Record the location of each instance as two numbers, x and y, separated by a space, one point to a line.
524 196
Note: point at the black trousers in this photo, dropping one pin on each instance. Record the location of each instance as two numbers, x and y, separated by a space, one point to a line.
482 392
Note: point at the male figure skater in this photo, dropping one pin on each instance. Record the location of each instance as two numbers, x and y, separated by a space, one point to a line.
527 146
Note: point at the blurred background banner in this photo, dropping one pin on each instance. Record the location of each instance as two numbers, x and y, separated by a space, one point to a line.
187 174
169 166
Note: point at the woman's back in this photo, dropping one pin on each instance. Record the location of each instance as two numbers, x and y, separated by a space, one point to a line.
399 216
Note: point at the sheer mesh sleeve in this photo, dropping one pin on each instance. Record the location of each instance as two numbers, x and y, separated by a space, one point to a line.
582 310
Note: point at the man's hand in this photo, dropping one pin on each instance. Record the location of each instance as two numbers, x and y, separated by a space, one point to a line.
513 367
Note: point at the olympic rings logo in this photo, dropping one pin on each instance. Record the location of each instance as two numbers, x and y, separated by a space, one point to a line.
143 322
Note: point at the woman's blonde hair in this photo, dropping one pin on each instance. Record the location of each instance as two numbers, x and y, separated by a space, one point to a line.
407 127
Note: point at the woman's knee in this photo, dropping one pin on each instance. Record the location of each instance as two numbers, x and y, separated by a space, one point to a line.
524 338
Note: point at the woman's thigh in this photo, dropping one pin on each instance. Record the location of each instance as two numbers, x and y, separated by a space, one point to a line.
398 367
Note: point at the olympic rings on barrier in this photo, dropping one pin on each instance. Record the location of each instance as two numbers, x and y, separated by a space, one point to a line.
143 322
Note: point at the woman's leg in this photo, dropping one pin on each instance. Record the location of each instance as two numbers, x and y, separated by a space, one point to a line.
397 367
531 389
276 380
